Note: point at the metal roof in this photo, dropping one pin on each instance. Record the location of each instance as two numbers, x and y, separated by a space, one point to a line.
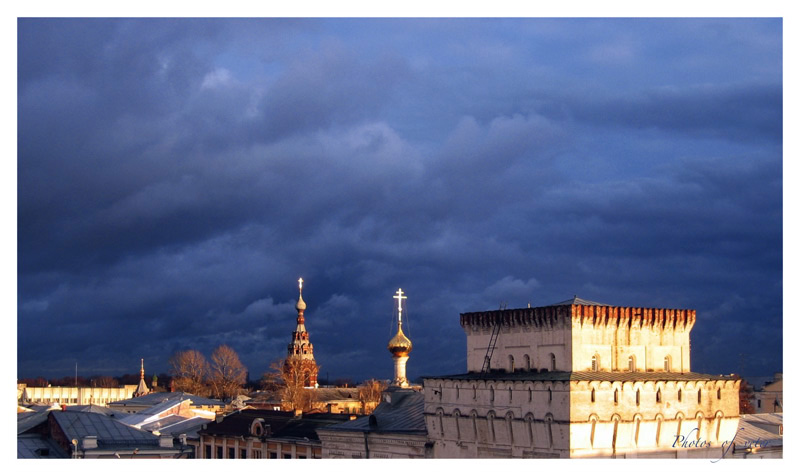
36 446
577 301
28 420
281 424
96 409
765 428
402 411
587 375
187 426
159 397
109 432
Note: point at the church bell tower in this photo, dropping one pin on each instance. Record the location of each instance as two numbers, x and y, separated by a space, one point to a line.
300 359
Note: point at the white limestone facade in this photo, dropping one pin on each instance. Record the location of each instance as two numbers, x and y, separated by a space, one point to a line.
580 379
581 336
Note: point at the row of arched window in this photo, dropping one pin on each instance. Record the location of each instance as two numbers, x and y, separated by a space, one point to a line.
528 365
491 416
631 363
670 439
593 397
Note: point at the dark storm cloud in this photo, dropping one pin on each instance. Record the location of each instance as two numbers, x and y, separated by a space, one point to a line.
177 176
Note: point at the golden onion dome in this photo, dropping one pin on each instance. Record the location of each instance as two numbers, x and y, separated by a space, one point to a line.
301 305
400 343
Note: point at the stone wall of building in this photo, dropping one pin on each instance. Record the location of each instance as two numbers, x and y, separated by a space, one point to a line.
624 339
534 338
497 418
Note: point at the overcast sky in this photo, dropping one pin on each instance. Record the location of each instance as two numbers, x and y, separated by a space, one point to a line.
176 178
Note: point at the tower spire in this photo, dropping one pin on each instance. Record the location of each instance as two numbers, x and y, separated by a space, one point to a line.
400 345
300 356
141 389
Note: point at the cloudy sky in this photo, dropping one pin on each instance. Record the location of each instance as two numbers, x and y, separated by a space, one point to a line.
176 177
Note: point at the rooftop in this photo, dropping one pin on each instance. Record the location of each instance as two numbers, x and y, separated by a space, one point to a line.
109 432
281 424
402 411
160 397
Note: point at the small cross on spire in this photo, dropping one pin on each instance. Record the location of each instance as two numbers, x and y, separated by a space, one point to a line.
300 282
399 296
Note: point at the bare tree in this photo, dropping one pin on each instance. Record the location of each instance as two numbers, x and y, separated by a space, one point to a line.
369 394
104 381
228 374
294 395
746 396
189 372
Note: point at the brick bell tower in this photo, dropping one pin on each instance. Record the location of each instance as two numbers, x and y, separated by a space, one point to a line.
300 358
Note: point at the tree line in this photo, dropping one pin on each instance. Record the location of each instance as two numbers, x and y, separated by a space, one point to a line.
223 377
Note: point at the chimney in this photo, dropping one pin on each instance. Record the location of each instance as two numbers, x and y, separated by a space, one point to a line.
89 442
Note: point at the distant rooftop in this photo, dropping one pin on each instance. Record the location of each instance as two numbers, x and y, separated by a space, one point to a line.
160 397
577 301
402 413
109 432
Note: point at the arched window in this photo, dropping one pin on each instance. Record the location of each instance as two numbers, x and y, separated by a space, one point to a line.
529 424
440 392
491 393
616 396
549 424
592 419
637 420
440 418
595 366
637 397
510 395
631 364
474 392
699 395
552 362
549 394
718 418
699 426
511 363
458 392
592 395
719 393
474 417
509 425
667 364
527 359
680 395
490 420
658 396
457 418
530 394
659 418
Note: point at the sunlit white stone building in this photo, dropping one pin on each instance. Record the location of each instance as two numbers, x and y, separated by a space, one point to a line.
580 379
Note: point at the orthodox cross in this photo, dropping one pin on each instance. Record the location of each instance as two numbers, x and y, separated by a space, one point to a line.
300 281
399 296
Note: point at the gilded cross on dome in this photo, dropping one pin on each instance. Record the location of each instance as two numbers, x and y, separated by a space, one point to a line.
300 281
399 296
